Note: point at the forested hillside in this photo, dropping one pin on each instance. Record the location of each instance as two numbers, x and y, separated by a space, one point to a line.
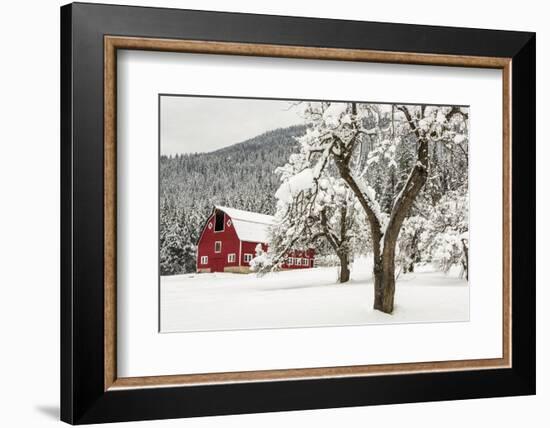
240 176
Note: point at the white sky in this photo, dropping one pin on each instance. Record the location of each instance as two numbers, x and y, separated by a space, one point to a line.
203 124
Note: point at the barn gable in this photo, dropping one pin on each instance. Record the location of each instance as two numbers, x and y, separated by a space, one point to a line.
250 227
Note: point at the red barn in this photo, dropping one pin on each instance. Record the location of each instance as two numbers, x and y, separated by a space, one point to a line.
229 239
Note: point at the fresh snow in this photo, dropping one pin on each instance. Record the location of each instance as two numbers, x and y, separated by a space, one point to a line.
243 215
370 196
250 226
252 232
294 185
305 298
459 138
333 114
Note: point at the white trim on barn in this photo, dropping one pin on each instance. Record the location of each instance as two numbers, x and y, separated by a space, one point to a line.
240 251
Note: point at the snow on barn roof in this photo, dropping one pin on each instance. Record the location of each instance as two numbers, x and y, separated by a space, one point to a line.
250 227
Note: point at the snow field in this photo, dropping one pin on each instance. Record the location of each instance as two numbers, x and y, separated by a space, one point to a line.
305 298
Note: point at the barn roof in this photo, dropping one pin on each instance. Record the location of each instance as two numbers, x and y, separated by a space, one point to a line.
250 226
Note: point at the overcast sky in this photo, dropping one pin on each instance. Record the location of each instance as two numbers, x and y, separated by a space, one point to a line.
202 124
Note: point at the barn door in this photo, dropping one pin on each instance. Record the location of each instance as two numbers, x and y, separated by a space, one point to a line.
217 263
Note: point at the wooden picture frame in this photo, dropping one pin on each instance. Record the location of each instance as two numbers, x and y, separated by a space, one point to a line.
91 391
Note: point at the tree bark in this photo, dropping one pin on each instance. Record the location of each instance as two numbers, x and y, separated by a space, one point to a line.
375 229
417 178
379 273
413 254
339 245
344 273
465 259
383 301
384 258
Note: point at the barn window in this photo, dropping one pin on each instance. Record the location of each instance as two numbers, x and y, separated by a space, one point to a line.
247 258
204 260
218 247
290 261
219 221
231 258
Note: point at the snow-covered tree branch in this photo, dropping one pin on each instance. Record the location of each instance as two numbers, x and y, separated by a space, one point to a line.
339 137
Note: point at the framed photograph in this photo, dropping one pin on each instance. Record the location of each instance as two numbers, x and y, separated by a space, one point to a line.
265 213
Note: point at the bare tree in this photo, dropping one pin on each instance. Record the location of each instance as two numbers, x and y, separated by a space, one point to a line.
313 206
340 130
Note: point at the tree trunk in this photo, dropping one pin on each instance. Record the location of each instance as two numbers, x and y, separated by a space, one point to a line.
344 273
386 282
339 245
401 207
385 278
378 284
465 258
384 257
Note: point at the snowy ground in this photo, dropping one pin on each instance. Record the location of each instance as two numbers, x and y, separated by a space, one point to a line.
305 298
